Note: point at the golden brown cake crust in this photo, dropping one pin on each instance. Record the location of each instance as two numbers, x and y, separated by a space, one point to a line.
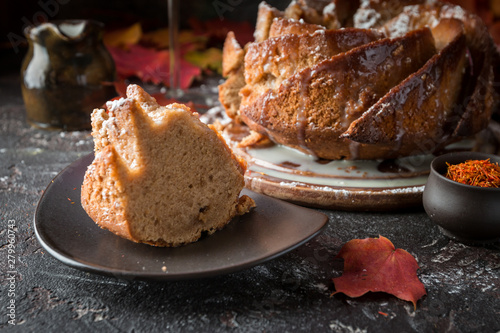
311 109
232 68
97 198
291 96
232 56
265 16
283 26
479 97
403 115
276 59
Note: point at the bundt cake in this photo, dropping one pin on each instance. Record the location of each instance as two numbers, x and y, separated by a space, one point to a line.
364 79
160 176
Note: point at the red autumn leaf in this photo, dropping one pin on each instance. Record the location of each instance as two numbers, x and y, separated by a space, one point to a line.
121 88
151 65
374 264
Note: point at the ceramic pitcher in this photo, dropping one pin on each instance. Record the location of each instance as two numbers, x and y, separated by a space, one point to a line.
67 72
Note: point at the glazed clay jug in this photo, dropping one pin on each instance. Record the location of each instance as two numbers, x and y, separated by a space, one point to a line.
66 73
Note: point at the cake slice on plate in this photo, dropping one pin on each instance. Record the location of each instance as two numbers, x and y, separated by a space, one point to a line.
160 176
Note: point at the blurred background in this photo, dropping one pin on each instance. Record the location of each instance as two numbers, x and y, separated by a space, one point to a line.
115 14
153 14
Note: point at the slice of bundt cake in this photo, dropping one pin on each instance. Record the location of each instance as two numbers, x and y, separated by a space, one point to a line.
160 176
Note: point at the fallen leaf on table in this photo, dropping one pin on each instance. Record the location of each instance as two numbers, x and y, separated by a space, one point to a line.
123 37
374 264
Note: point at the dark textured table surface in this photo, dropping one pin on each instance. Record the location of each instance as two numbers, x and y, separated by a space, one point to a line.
289 294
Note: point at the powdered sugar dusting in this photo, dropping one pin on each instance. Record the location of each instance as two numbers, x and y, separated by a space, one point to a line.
115 104
330 9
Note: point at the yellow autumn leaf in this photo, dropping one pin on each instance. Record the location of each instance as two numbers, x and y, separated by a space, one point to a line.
188 36
159 38
124 37
210 58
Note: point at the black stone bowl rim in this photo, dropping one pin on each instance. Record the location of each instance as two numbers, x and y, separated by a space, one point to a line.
438 165
473 228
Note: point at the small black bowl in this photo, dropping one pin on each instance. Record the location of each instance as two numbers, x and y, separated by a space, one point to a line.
468 214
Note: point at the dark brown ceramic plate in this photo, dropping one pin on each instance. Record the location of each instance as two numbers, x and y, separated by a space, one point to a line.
66 232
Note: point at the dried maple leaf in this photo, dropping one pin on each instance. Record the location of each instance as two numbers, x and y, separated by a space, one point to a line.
374 264
143 55
151 65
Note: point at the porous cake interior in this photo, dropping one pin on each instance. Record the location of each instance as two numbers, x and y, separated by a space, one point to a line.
172 176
